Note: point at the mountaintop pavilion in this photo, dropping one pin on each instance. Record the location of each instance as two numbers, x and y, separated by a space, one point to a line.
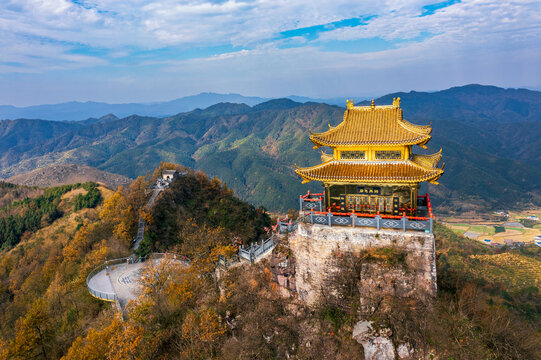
372 167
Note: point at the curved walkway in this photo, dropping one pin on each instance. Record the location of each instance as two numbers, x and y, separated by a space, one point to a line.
99 284
119 280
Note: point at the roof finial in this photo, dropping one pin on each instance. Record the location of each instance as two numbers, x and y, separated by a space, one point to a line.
373 105
349 104
396 102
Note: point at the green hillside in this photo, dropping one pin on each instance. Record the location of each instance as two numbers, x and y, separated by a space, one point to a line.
489 138
31 214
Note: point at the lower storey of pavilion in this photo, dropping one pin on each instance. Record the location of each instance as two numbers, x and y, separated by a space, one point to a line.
372 199
391 207
372 187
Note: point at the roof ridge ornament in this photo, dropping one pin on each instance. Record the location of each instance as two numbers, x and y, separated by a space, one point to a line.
396 102
349 104
373 104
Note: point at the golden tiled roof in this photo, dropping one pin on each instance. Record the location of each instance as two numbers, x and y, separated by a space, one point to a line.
427 161
326 157
373 125
403 171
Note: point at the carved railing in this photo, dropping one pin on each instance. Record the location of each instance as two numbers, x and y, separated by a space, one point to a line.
368 220
309 202
312 211
255 250
284 226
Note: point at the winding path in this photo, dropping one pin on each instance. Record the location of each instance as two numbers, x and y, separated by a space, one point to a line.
141 225
119 280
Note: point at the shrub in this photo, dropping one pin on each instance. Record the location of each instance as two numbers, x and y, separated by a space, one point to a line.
89 200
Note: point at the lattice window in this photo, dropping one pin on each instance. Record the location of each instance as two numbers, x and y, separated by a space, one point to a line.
352 155
388 154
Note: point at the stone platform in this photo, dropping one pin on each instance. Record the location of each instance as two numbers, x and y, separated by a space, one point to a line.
121 280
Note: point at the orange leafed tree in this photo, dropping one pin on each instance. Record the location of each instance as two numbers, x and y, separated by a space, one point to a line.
120 213
32 334
201 331
204 244
94 346
125 344
137 192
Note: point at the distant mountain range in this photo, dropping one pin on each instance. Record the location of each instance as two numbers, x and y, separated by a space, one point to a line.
490 139
77 111
470 103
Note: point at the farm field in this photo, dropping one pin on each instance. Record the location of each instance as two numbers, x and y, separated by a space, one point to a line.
481 227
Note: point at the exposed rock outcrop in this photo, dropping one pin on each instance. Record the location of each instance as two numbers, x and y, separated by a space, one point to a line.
317 247
283 271
376 343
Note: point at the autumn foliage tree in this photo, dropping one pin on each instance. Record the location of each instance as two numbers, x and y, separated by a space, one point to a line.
201 332
117 341
137 194
32 334
121 214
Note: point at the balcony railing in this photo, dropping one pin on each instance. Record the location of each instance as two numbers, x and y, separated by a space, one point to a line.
311 202
312 211
368 220
102 295
284 226
255 250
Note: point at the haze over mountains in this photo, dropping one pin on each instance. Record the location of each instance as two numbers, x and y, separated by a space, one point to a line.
77 111
490 139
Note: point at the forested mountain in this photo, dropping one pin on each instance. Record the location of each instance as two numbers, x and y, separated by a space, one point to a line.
489 138
471 103
487 306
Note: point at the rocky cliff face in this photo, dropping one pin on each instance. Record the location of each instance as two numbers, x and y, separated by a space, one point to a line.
387 266
316 249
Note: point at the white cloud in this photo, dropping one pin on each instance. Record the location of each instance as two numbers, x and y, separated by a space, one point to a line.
153 24
51 35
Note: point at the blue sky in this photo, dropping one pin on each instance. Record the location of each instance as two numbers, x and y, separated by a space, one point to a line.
150 50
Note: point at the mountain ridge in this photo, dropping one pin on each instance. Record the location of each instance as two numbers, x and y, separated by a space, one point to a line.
471 102
79 111
254 149
65 174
